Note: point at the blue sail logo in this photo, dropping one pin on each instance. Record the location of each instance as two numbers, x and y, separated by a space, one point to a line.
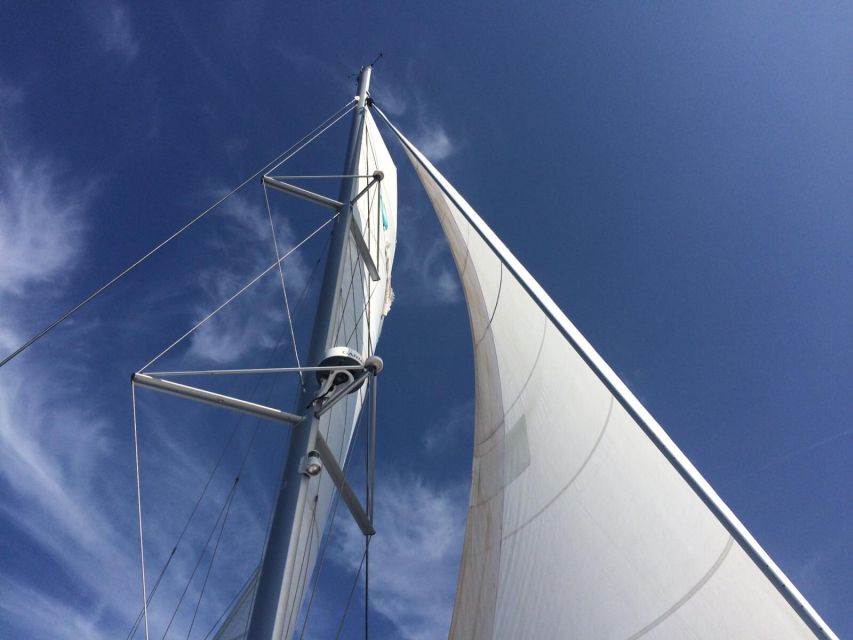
383 213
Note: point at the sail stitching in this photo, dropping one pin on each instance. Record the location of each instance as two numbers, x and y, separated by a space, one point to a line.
349 294
690 593
572 479
493 567
495 308
520 394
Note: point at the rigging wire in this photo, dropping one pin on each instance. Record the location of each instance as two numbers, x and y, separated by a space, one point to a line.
312 593
368 498
139 511
186 526
223 516
225 519
240 592
349 600
222 510
303 569
297 307
210 564
272 510
240 292
280 159
283 287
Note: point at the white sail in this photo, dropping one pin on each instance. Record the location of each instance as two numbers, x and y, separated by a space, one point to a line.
585 520
359 310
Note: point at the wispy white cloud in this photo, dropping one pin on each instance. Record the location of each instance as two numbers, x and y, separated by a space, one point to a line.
415 555
10 95
229 336
427 130
426 264
434 142
111 22
445 432
50 479
306 61
390 98
48 616
40 224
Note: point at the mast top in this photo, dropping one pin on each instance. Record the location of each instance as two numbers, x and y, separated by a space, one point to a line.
363 85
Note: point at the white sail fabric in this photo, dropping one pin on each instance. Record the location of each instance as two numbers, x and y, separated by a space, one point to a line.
236 624
585 520
357 316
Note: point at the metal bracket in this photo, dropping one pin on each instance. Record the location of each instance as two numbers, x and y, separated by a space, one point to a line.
303 193
208 397
360 243
364 251
377 176
349 497
332 400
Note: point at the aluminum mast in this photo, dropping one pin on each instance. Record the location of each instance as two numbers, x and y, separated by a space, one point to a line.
270 611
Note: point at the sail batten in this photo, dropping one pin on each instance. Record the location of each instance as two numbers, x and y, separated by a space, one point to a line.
585 519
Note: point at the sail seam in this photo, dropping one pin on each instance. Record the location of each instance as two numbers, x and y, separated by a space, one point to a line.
571 480
495 307
687 596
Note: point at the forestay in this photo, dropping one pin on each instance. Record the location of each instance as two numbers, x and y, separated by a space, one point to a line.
359 310
585 520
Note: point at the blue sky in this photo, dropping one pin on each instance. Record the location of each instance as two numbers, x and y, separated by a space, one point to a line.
676 177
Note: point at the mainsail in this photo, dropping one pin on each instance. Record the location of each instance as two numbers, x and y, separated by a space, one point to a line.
585 520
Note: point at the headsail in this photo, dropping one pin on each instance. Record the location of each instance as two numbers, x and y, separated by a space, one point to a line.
585 520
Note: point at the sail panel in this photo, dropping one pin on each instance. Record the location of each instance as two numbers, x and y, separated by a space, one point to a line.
585 520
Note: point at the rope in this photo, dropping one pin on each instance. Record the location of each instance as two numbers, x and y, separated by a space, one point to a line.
240 292
212 559
366 585
187 524
349 600
233 602
225 518
368 497
283 287
200 557
139 511
283 157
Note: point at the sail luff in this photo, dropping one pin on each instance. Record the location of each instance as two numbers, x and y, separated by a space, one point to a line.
652 430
